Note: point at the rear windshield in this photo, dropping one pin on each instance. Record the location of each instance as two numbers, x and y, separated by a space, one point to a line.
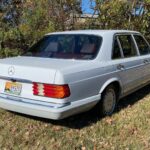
66 47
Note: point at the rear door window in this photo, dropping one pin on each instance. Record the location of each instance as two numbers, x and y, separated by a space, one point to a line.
127 45
143 47
116 50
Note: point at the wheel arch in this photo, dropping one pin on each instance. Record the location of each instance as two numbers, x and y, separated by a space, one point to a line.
116 82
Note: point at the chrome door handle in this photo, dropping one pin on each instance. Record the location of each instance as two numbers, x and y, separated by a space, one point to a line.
120 67
145 61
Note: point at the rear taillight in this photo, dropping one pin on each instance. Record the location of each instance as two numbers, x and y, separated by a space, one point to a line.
52 91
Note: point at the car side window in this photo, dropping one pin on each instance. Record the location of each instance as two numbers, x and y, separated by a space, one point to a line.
142 45
128 46
116 50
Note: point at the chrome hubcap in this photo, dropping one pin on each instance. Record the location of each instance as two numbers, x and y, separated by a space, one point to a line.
109 102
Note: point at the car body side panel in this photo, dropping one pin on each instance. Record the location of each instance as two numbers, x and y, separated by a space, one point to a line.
88 83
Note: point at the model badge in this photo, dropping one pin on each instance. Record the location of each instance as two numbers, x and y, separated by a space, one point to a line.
11 70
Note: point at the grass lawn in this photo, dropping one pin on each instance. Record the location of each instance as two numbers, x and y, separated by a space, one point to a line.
128 128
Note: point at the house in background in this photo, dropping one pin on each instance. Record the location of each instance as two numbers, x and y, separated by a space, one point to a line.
83 17
139 9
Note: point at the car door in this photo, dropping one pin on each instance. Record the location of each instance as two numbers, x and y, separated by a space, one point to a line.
144 50
128 64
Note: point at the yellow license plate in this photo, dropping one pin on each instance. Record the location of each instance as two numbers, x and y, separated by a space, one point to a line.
13 88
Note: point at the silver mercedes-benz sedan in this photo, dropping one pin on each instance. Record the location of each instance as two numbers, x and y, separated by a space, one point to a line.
70 72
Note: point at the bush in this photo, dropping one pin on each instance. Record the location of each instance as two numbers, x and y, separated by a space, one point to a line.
9 52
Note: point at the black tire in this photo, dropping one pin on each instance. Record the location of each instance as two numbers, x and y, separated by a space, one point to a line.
108 102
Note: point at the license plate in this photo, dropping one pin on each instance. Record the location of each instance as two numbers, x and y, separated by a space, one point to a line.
13 88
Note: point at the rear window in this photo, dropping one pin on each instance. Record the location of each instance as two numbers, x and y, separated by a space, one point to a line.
66 47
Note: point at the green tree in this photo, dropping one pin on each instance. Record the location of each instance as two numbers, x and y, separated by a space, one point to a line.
23 22
116 14
10 16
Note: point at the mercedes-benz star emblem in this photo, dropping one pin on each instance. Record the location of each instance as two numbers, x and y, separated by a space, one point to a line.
11 70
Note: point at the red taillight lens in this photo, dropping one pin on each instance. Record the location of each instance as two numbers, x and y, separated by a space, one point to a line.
53 91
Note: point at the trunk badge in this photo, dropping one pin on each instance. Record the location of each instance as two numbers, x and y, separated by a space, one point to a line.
11 70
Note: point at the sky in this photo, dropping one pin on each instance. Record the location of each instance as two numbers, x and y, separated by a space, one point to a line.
86 4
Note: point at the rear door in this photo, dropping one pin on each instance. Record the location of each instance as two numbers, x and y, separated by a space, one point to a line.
128 63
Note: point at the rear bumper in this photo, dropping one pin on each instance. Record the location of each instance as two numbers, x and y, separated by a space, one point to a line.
54 112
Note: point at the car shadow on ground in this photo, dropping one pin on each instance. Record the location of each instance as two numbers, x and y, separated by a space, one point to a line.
91 117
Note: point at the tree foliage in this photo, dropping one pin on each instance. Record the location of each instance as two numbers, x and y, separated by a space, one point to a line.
117 14
23 22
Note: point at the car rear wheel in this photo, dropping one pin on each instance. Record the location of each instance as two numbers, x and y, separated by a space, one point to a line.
108 101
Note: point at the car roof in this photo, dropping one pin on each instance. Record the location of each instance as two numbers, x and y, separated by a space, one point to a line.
95 32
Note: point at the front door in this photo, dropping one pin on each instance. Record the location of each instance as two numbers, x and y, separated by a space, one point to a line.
144 50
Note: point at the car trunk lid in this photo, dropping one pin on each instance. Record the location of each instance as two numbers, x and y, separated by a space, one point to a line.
21 68
22 72
18 74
